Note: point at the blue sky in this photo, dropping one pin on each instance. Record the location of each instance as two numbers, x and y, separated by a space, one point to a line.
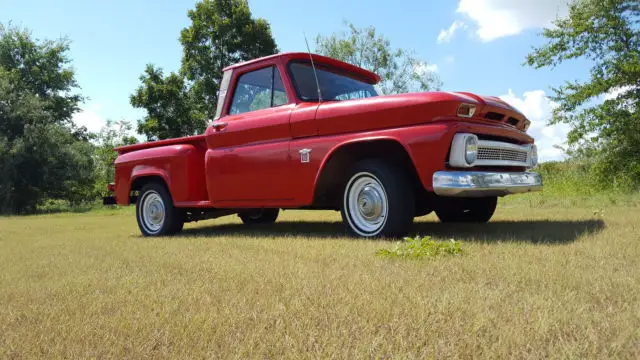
476 45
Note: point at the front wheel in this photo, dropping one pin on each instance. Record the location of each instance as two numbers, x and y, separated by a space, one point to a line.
155 212
478 210
378 200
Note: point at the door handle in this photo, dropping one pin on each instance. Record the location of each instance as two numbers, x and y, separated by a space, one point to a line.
219 126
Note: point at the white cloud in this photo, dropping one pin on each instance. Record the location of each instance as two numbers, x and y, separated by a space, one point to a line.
432 68
537 107
446 35
498 18
614 93
90 117
423 68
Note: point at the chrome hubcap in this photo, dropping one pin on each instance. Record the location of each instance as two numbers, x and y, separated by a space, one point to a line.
153 211
370 203
366 203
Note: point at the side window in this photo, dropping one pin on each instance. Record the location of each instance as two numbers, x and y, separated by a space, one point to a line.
359 94
279 94
257 90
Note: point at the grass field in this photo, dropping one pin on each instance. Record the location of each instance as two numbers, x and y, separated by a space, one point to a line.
544 279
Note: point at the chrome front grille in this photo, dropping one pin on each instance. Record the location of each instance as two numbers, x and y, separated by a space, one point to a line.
498 153
467 150
501 154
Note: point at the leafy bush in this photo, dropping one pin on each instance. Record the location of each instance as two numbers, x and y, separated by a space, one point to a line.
567 178
584 177
112 135
419 247
605 133
43 154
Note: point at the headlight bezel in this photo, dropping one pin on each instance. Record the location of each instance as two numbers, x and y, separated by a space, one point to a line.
459 150
533 155
471 150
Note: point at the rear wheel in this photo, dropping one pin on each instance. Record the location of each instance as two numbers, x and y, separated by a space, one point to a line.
467 209
378 200
259 216
155 212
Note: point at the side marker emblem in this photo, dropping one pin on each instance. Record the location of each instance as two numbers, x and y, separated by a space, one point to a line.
304 155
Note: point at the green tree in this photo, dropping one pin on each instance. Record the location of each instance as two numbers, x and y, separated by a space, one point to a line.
607 133
401 71
222 32
40 68
169 104
42 154
113 134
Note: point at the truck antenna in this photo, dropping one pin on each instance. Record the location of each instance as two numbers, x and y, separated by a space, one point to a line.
315 74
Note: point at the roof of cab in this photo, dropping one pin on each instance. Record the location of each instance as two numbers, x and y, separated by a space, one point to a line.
371 76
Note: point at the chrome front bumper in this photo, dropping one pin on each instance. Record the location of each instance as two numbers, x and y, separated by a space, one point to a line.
482 183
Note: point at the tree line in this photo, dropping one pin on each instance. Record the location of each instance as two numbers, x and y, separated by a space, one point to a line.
44 155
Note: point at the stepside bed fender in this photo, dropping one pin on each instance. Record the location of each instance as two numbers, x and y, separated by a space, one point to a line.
179 166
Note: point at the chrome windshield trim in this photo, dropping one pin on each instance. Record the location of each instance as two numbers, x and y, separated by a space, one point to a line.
222 93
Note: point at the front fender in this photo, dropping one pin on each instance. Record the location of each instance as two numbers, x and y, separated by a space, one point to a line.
426 146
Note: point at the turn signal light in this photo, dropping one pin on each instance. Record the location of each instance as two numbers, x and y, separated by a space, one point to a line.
466 110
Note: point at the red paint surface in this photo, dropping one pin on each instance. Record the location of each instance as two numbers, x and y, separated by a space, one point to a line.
254 159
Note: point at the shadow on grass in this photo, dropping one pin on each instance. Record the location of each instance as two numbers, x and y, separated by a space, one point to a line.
52 211
81 209
541 231
63 210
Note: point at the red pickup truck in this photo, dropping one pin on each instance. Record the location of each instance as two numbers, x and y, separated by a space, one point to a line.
302 131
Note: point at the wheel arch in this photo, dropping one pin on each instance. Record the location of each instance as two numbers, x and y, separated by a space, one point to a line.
141 178
331 176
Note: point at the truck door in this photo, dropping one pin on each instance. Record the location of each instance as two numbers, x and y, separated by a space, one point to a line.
247 161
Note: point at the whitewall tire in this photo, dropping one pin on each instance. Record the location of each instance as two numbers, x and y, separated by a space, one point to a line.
155 212
378 200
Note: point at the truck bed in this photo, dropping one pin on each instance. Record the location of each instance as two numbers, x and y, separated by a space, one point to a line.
152 144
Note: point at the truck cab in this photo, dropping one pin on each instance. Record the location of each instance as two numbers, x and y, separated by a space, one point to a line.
305 131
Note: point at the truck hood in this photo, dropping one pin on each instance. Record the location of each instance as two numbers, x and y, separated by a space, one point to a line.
414 108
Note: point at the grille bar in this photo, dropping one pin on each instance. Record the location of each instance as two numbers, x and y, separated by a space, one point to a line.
498 153
501 154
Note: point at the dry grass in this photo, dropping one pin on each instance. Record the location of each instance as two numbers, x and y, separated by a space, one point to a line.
558 282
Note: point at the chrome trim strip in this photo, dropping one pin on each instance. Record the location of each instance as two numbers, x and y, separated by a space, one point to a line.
490 144
500 163
483 183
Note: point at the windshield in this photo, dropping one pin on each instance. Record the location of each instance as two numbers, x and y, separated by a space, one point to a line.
333 86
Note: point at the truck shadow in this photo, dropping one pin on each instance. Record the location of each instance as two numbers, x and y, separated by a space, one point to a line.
537 231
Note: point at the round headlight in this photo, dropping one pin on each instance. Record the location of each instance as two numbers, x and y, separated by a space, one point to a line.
534 155
471 149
